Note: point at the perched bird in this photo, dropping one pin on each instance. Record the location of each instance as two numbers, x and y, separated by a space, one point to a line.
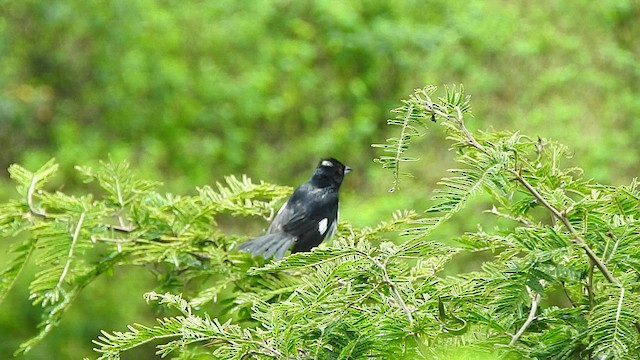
308 217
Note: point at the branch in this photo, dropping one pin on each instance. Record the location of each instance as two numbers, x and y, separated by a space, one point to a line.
562 216
392 285
470 139
577 239
396 293
535 300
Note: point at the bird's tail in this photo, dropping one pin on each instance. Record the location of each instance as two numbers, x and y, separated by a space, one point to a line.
269 245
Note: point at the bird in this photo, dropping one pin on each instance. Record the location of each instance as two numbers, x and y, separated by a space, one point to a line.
307 218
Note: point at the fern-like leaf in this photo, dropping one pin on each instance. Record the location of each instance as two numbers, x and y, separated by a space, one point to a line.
22 251
455 192
611 325
53 313
119 182
412 118
229 340
243 197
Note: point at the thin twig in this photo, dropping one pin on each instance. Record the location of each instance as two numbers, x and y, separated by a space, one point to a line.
95 239
123 227
119 192
392 285
619 308
396 293
30 192
590 287
519 219
612 236
470 139
567 295
394 290
535 300
74 240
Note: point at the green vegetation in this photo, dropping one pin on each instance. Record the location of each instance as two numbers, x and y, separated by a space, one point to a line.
189 93
365 295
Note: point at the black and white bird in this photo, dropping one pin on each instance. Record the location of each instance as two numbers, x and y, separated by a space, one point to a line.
308 217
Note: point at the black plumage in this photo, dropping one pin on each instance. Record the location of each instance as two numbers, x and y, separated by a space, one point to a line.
308 217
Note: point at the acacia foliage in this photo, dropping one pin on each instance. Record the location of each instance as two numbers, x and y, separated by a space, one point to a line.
363 295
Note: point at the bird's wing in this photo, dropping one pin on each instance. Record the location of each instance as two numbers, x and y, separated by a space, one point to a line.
304 210
302 224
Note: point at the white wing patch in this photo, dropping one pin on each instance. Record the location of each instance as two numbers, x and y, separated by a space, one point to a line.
322 226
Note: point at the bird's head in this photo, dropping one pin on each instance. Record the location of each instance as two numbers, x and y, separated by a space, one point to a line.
329 172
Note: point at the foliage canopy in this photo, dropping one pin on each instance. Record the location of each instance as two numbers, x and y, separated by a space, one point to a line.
373 292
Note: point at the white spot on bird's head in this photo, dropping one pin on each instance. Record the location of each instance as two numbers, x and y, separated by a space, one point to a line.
326 163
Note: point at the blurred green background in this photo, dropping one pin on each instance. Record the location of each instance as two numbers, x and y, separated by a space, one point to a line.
189 91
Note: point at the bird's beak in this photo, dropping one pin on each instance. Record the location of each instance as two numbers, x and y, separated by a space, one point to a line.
347 169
